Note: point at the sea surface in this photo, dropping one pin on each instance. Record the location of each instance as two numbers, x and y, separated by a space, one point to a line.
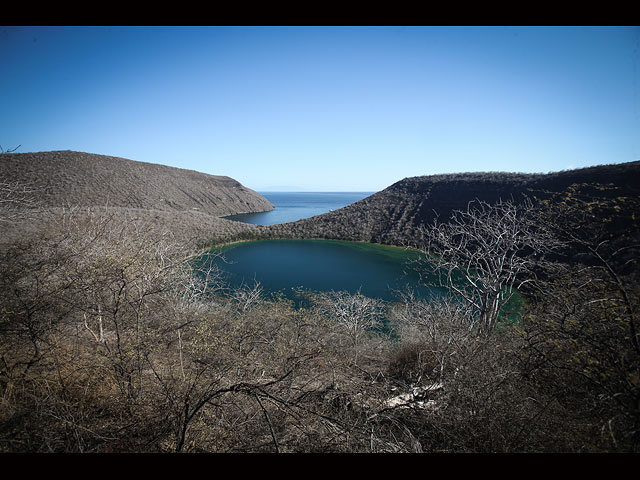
292 206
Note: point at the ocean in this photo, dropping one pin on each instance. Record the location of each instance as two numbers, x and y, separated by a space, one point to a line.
292 206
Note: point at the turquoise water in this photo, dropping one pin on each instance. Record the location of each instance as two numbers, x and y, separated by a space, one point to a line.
292 206
322 265
284 267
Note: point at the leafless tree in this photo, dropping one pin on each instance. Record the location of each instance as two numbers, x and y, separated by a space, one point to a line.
9 150
432 332
17 200
583 337
247 295
485 254
354 312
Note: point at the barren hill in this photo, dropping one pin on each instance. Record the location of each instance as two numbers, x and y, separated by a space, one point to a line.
68 178
185 202
394 214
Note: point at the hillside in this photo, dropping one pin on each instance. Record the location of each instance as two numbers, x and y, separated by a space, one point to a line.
189 203
112 339
394 214
184 201
65 178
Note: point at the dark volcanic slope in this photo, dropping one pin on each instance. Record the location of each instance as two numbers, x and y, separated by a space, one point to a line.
393 215
68 178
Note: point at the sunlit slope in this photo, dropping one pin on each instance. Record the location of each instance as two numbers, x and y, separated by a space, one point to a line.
184 203
69 178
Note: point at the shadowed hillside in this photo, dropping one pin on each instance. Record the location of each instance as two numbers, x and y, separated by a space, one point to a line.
394 215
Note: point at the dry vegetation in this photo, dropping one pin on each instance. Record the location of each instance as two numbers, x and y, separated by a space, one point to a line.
396 215
115 336
77 179
185 202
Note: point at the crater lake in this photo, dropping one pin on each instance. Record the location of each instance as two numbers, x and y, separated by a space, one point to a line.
283 266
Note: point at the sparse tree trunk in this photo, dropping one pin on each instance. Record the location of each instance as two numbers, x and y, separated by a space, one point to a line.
485 254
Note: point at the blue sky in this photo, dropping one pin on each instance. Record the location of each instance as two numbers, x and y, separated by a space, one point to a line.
326 108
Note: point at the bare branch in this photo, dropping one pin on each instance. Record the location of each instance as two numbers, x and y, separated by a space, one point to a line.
11 150
485 254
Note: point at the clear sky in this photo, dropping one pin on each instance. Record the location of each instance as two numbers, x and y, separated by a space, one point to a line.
326 108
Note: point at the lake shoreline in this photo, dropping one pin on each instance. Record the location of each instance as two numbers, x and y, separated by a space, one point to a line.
321 265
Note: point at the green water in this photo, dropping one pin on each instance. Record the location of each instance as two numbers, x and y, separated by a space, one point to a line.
377 271
285 266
